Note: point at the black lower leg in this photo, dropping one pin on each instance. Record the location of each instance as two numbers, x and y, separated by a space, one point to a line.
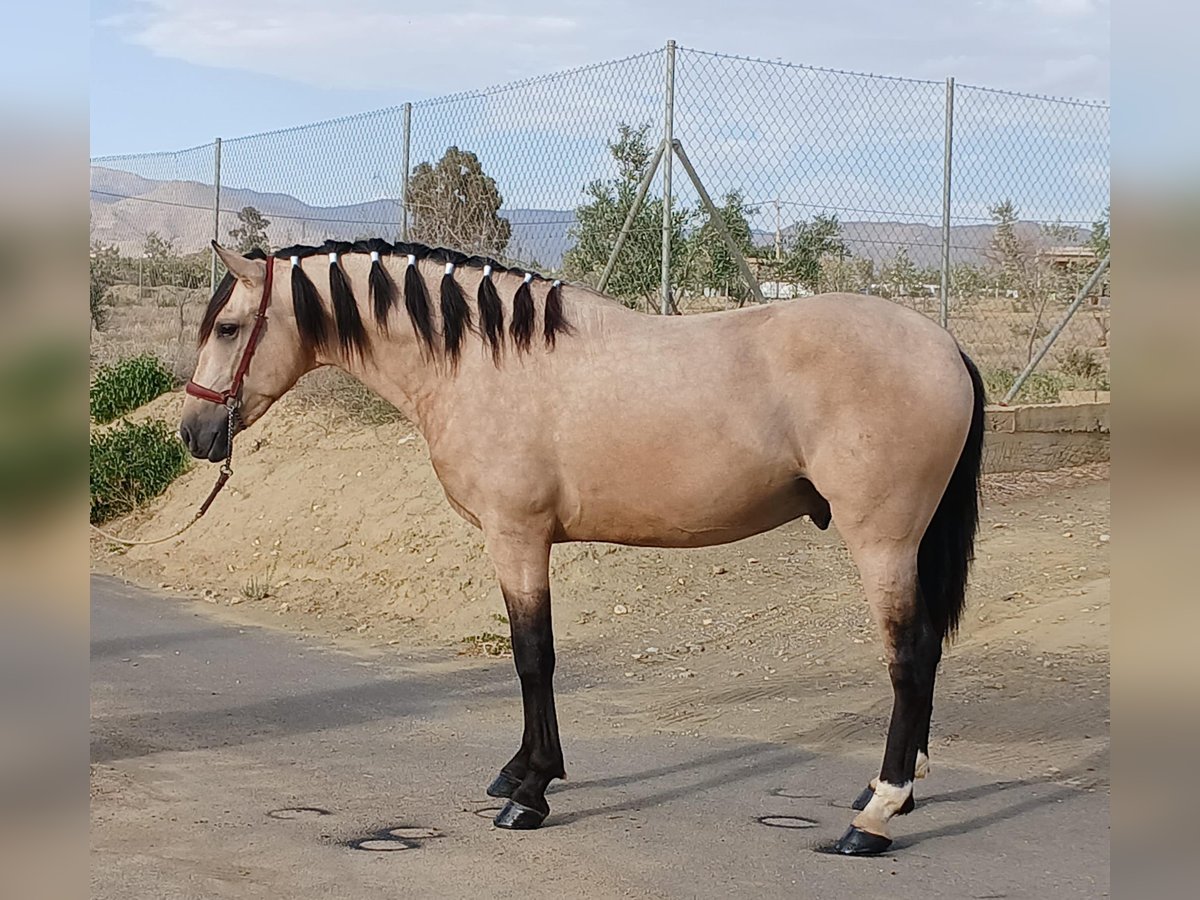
917 648
540 759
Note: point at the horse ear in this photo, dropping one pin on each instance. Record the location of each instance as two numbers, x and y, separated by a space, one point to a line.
249 271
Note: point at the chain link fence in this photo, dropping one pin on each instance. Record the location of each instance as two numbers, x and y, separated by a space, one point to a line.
984 209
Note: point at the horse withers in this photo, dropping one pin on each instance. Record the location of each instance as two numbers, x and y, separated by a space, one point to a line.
555 414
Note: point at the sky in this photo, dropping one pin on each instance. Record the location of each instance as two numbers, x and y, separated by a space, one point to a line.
169 74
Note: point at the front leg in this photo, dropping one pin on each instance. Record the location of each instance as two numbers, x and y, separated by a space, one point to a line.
524 570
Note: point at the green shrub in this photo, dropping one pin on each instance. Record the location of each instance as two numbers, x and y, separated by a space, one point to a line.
126 385
1083 364
1040 387
131 463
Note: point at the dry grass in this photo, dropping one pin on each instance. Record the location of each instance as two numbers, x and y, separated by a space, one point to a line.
163 322
334 390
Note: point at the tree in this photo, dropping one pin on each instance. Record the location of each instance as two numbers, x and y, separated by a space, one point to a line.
901 274
454 203
1008 251
709 262
251 231
637 273
968 280
104 271
808 244
157 252
1099 240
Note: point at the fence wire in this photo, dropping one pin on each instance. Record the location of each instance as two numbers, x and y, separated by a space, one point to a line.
827 180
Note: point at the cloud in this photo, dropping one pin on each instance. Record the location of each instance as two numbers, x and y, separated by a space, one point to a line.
1053 46
350 46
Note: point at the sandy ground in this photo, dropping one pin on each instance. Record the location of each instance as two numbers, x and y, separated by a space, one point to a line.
332 527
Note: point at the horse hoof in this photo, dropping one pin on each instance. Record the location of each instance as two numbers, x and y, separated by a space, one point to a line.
503 786
861 801
856 842
517 817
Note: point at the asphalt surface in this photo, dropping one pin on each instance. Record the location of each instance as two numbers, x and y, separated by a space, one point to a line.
237 761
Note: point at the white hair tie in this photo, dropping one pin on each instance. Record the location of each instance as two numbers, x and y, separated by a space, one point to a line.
374 256
449 268
332 258
528 277
295 261
487 271
557 283
412 260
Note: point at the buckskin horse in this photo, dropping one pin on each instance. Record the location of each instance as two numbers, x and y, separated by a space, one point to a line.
554 414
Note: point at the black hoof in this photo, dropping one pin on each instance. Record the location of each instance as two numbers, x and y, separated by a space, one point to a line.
856 842
516 817
861 801
503 786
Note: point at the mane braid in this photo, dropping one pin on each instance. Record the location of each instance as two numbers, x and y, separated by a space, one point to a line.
416 301
382 292
310 314
456 317
521 328
491 316
351 334
554 320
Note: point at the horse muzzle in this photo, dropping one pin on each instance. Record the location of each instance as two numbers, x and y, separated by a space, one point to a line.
207 434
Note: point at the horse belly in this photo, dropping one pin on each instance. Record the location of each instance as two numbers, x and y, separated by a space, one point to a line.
681 510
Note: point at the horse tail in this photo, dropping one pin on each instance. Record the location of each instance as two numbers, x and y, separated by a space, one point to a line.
948 546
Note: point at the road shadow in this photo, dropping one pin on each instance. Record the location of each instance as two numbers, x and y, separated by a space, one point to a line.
128 646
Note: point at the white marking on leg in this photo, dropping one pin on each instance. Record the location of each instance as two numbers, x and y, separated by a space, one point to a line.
884 804
922 769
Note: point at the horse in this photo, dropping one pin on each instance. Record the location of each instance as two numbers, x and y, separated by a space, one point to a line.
553 413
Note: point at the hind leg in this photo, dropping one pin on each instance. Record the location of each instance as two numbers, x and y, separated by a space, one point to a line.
920 770
912 649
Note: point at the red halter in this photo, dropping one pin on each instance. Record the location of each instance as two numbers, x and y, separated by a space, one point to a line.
230 397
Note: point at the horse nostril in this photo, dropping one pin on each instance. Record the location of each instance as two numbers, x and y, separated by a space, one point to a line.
185 435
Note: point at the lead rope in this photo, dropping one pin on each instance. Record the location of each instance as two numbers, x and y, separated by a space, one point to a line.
226 470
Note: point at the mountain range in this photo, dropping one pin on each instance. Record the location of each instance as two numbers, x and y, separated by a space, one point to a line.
125 207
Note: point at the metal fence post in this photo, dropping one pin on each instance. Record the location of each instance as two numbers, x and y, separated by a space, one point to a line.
664 305
404 178
212 275
1087 288
718 221
634 208
947 170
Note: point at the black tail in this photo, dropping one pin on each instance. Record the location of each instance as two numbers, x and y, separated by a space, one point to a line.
948 546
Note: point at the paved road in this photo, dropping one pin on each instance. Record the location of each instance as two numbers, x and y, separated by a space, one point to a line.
233 761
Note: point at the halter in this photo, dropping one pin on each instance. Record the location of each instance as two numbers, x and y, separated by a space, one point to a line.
231 398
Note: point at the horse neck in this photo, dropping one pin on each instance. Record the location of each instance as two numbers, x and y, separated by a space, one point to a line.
400 369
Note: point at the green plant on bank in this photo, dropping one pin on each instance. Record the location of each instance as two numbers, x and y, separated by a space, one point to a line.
130 464
487 644
257 588
127 384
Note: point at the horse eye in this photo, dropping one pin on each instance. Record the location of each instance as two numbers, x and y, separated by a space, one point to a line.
226 329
